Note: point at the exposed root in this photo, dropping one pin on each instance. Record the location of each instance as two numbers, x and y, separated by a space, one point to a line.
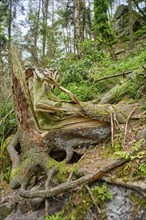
64 187
69 154
74 184
50 176
13 153
139 186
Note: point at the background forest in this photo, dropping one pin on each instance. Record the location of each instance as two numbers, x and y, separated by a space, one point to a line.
84 40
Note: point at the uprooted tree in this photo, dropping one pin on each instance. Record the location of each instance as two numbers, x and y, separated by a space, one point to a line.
53 131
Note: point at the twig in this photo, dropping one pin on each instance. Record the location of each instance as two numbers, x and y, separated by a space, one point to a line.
108 77
94 216
126 125
2 121
112 129
8 99
92 198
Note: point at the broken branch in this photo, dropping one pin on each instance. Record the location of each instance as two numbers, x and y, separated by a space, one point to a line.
113 76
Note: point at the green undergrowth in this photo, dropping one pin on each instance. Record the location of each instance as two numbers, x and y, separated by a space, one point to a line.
5 160
80 204
63 169
82 79
136 167
7 120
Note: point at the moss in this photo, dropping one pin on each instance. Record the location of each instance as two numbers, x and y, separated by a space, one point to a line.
6 142
51 163
63 169
77 206
80 204
138 200
63 172
15 172
108 152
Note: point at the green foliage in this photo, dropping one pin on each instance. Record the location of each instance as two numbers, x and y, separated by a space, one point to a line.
15 172
91 50
62 173
6 174
122 154
142 168
140 32
7 120
126 155
101 24
82 90
58 216
3 40
101 192
140 155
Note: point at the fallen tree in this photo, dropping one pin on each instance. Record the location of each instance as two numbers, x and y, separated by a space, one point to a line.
51 130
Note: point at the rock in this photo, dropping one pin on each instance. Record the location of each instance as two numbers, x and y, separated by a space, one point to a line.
121 9
121 24
6 209
141 134
122 207
38 215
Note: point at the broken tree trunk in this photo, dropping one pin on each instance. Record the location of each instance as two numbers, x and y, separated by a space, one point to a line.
50 130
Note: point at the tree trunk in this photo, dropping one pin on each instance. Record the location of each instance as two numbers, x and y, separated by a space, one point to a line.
78 25
36 33
131 25
44 28
9 32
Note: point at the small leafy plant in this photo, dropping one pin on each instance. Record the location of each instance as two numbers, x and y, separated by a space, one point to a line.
58 216
101 192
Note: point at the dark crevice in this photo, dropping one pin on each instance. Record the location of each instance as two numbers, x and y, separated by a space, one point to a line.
58 155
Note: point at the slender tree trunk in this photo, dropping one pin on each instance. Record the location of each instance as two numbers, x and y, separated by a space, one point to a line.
36 33
9 32
130 25
44 27
88 22
77 22
64 39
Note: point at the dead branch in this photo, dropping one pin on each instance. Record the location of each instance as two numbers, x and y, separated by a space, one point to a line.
126 126
113 76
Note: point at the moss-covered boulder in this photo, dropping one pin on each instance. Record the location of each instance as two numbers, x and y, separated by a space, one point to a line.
121 24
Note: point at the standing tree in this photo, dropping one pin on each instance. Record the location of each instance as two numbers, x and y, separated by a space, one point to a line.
131 24
101 24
